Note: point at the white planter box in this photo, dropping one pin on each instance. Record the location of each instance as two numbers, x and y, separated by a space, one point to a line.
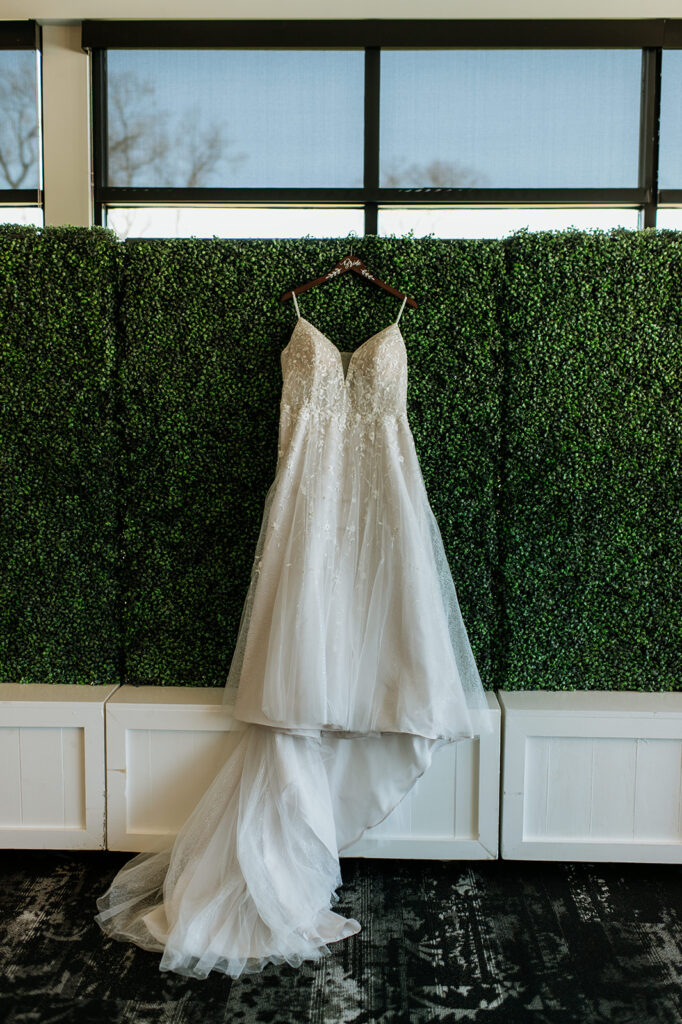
592 776
452 812
52 785
165 746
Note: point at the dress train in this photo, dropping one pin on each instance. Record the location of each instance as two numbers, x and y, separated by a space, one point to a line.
251 876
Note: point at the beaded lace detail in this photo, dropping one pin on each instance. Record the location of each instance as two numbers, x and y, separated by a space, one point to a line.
374 384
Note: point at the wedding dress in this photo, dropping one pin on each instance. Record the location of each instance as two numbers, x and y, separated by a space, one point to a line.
352 666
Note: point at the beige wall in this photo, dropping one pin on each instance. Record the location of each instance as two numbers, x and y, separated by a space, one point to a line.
66 127
47 10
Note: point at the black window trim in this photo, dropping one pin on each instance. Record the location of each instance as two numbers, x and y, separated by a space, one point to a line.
410 33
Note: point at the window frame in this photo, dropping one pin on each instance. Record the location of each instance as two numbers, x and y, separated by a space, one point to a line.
650 36
24 35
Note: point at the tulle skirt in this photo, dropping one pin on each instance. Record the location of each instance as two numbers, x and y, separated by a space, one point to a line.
251 877
351 620
352 666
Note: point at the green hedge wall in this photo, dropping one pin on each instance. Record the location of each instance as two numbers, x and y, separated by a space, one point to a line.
60 597
590 545
543 394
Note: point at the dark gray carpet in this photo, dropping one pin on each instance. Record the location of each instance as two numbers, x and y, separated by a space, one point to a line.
497 941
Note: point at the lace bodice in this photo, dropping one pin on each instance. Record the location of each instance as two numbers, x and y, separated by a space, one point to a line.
354 389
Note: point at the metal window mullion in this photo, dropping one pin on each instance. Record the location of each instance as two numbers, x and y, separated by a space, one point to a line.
371 137
122 196
649 132
39 117
21 197
99 132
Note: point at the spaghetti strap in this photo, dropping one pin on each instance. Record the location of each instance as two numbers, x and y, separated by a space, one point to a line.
402 308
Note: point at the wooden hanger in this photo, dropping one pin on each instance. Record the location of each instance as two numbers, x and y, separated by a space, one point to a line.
349 263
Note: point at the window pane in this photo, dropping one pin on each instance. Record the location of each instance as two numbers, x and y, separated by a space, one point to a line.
178 222
670 155
19 140
510 118
21 215
235 118
669 217
489 223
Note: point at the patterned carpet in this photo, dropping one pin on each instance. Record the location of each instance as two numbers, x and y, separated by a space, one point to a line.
497 941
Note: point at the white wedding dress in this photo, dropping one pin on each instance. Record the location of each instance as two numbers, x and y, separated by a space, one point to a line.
352 666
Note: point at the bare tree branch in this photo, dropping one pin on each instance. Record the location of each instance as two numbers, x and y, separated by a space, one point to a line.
437 173
18 126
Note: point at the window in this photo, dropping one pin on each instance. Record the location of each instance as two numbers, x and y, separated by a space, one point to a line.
254 222
510 118
496 223
670 170
235 118
456 128
670 161
20 136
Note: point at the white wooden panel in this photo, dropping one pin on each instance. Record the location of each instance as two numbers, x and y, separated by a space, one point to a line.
433 800
164 748
429 808
170 768
614 765
10 774
592 775
468 793
659 771
55 799
52 762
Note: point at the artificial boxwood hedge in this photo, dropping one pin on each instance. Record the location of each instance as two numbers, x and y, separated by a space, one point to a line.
591 541
140 390
60 597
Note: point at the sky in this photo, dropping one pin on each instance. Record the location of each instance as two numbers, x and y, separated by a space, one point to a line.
492 118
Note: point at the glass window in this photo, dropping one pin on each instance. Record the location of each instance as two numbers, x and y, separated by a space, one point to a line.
248 222
670 153
669 217
20 159
510 118
490 223
235 118
21 215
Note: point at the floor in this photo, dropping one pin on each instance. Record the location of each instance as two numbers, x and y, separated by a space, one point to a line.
508 942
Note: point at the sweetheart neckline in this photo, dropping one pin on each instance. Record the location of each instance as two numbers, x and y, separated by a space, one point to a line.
336 349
